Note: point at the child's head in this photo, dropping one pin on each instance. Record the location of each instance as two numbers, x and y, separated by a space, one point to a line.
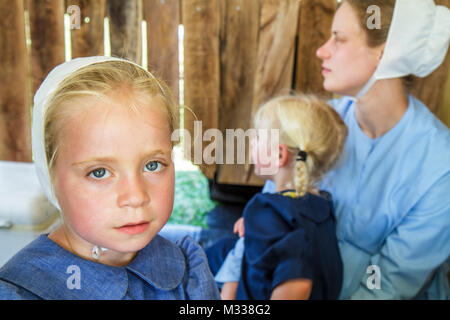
306 123
103 81
107 138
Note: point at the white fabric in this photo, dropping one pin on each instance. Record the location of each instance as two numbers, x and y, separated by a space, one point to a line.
417 42
22 200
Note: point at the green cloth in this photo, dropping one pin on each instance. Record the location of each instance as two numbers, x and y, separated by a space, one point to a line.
192 201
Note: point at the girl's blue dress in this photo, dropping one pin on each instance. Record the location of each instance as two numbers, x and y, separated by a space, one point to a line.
288 238
161 270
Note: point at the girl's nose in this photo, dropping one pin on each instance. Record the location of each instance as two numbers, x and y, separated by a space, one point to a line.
133 192
323 52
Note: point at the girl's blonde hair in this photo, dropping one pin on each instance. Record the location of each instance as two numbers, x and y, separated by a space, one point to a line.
306 123
98 80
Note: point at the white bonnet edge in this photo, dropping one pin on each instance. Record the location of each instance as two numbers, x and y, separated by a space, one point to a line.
41 99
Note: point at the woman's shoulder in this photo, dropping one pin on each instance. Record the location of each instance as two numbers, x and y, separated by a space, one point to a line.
426 121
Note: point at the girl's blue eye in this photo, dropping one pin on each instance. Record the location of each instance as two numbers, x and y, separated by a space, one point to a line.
99 173
153 166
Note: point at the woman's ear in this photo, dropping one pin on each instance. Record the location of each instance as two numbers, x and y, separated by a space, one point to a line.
283 155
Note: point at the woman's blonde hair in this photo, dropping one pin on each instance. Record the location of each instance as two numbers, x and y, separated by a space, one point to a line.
98 80
306 123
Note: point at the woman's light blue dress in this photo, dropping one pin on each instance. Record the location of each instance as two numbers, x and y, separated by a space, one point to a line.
392 203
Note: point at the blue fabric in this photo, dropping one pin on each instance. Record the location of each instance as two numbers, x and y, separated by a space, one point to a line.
161 270
391 197
230 268
217 253
392 207
289 238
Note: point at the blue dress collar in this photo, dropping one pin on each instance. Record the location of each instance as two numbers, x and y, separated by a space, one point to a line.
42 268
313 207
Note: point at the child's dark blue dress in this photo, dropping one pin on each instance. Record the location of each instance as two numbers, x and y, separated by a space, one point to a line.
288 238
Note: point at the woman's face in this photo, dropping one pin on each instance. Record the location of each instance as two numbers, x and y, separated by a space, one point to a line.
348 62
114 176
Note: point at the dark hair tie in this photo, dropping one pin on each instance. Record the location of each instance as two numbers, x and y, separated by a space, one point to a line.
301 156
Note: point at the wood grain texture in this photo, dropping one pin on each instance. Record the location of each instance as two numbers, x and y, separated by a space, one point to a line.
316 18
15 88
443 112
163 20
125 18
47 37
201 69
239 33
276 48
88 40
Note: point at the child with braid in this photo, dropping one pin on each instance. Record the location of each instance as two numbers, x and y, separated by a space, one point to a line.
290 242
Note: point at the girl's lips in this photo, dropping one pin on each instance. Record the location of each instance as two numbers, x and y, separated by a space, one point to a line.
134 228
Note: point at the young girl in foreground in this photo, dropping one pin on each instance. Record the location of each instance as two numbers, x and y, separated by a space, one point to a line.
291 249
102 147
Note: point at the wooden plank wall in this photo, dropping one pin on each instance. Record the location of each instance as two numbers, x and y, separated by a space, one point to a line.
15 140
125 28
88 39
47 37
201 72
237 54
273 63
163 20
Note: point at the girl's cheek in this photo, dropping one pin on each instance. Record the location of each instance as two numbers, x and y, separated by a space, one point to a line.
166 193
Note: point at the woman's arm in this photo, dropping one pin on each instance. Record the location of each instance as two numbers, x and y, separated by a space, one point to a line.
295 289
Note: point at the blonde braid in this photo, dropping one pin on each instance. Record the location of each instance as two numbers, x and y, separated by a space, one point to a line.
301 178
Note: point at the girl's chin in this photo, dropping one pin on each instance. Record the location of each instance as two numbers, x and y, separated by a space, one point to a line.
129 246
127 243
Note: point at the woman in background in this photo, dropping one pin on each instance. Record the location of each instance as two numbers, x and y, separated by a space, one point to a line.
390 187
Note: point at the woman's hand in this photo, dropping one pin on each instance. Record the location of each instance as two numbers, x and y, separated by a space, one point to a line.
295 289
239 227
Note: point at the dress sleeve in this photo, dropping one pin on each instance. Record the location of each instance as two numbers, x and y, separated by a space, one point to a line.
199 282
230 271
276 246
413 251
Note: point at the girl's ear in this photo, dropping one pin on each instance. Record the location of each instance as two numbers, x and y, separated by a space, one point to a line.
283 155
